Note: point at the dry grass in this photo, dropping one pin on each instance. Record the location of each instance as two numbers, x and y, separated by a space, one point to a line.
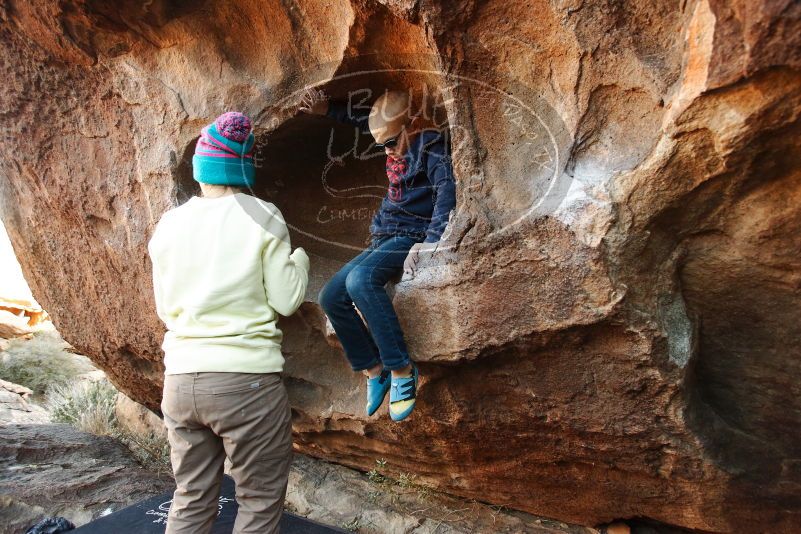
46 364
91 406
41 362
86 405
150 450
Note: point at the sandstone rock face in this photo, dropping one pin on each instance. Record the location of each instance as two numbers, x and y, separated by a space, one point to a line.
610 327
15 405
137 419
335 495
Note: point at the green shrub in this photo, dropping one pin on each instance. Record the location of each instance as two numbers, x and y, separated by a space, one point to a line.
45 365
41 362
87 405
91 406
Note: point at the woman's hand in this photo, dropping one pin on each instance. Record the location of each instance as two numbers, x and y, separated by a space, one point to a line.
314 102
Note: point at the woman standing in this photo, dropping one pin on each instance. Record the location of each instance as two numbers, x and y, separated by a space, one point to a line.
223 269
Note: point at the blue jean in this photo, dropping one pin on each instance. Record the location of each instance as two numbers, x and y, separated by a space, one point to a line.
361 282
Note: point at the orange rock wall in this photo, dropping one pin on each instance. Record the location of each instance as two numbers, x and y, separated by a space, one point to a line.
611 329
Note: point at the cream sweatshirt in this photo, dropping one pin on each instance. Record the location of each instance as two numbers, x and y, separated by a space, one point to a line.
222 272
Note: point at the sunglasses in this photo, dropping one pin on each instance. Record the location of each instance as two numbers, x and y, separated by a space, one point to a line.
389 143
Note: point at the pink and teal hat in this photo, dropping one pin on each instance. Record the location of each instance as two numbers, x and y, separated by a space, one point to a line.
224 152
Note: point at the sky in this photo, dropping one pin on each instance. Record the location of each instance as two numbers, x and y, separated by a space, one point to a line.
12 282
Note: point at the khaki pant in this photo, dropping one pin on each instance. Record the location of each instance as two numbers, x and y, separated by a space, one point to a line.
244 416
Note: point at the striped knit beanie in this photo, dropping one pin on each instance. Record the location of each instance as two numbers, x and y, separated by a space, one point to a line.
224 152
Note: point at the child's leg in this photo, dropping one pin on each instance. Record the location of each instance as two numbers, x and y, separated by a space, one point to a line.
360 349
365 286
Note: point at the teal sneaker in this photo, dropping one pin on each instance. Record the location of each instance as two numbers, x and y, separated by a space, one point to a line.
376 391
402 395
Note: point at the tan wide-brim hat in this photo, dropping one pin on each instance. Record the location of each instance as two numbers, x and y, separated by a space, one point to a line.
389 114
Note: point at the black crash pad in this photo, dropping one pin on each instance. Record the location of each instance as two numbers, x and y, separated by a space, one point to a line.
150 516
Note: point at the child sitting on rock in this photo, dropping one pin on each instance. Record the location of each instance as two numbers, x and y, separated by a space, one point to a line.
410 221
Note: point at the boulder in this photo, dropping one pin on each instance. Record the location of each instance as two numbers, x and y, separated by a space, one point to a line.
137 419
609 326
31 312
375 504
13 325
16 406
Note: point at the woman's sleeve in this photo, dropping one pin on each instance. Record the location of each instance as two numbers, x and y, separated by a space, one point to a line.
158 288
349 114
286 273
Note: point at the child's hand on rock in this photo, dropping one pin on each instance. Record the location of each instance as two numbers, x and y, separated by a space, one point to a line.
417 253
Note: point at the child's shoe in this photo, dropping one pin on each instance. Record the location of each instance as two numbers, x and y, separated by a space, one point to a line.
376 391
402 395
